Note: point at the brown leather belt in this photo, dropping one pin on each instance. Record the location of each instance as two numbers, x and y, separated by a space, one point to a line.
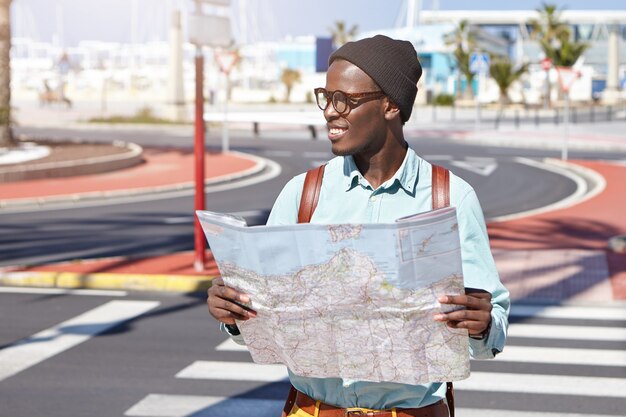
307 404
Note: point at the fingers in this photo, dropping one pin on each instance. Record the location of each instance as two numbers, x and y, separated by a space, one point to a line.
225 304
475 317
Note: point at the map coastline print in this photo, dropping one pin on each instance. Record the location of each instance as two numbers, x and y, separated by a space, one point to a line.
345 307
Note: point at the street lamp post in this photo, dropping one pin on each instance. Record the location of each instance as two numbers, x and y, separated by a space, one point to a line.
204 30
199 200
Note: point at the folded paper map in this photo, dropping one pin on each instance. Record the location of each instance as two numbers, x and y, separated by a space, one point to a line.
352 301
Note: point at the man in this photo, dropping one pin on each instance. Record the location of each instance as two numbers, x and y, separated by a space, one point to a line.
369 95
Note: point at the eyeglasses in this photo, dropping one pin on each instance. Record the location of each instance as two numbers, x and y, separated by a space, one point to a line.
342 101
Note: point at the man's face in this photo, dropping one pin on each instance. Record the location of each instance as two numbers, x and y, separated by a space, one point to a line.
363 129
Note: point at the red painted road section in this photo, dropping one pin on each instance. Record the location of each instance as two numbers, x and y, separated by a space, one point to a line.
162 167
586 226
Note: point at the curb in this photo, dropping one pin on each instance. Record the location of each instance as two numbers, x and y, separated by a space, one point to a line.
553 143
573 171
108 281
87 166
260 165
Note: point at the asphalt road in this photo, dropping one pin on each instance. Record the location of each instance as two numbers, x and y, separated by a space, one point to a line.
143 354
74 359
505 181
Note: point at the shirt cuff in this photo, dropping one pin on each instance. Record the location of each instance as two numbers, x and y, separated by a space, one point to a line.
489 347
236 338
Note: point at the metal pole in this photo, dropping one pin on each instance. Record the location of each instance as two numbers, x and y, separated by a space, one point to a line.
546 98
477 123
225 141
199 201
565 127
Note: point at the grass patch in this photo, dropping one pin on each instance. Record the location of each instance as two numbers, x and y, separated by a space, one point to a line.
144 115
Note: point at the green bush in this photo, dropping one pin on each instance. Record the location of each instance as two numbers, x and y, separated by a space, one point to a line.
444 100
144 115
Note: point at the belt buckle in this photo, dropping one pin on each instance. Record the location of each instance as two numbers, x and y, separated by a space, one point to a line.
356 412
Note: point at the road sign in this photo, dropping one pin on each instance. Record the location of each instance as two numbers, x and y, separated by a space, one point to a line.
210 30
226 60
479 63
567 77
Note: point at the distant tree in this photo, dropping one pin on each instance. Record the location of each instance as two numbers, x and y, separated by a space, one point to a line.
6 134
555 37
548 26
505 74
464 39
340 33
289 77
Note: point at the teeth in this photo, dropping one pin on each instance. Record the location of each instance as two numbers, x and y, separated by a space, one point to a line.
336 131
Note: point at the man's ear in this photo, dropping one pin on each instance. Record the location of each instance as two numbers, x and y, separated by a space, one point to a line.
391 109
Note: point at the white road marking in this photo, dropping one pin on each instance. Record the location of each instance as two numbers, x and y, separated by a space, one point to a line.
479 412
569 312
482 166
563 356
70 333
568 170
229 345
585 386
239 371
607 334
161 405
68 291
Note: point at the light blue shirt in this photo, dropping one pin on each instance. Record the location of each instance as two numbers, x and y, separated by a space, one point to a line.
347 197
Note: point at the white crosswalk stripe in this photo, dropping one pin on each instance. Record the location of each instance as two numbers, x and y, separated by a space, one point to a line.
226 370
540 339
66 335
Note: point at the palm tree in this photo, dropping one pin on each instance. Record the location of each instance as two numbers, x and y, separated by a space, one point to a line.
464 40
505 74
341 35
6 134
549 25
555 37
289 77
564 52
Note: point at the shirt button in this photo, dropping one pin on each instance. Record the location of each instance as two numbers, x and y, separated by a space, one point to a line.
373 198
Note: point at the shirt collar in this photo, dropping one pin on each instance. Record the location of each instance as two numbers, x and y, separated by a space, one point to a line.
406 176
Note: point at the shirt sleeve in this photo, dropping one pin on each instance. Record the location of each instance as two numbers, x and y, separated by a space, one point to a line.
479 271
285 210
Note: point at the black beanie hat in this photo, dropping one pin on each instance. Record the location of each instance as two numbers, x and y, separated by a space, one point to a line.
391 63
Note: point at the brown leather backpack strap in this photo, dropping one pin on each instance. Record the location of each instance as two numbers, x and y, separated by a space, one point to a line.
450 397
291 400
441 199
440 187
308 202
310 193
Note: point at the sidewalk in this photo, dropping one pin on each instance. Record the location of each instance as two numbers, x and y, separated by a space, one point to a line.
558 256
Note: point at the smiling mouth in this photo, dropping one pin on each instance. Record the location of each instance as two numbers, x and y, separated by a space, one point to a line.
336 132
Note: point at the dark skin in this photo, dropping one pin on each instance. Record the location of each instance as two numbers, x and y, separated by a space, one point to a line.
372 133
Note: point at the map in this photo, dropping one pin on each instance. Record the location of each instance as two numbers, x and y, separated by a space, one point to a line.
351 301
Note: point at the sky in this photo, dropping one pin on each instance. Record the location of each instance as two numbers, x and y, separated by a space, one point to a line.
66 22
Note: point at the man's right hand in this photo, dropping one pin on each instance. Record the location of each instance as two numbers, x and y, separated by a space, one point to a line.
225 303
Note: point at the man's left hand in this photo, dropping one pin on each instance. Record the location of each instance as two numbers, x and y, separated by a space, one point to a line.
475 317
